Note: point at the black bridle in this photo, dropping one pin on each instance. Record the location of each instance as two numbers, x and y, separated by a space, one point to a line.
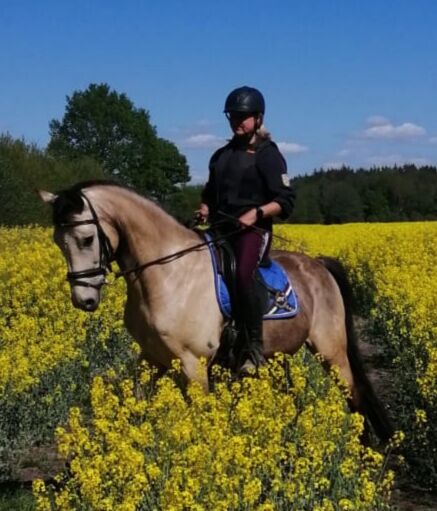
105 250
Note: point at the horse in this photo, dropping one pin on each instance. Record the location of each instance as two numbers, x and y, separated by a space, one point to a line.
171 308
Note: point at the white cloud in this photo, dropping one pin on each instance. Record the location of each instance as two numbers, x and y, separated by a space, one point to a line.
404 131
203 141
291 148
377 120
433 140
344 152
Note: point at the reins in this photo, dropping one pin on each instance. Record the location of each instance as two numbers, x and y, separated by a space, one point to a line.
176 255
106 252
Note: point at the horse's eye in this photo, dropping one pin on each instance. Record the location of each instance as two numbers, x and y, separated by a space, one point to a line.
88 241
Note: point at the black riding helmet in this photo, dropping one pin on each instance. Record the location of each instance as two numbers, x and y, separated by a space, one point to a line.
245 100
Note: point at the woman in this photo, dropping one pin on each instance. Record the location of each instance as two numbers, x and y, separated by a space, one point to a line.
248 185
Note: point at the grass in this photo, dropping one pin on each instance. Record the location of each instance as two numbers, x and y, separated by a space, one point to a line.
16 498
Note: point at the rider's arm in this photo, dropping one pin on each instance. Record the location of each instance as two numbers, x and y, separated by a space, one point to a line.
271 209
273 168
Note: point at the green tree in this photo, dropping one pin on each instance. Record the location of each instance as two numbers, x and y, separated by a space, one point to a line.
342 203
23 169
169 169
184 202
306 209
104 125
376 205
379 194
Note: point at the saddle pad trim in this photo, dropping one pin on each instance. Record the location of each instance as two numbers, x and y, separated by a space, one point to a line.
218 281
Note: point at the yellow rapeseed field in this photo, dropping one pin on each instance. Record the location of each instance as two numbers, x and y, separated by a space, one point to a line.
283 441
398 264
394 271
39 327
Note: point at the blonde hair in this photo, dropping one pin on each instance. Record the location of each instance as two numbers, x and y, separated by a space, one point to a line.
263 132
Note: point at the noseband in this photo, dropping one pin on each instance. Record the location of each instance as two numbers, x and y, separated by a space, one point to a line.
105 250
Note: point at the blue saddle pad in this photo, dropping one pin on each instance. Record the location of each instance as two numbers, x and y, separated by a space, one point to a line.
282 300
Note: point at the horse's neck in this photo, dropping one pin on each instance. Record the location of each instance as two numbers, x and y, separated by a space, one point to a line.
160 296
146 232
143 226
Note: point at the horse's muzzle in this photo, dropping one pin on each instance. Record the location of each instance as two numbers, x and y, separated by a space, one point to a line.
87 304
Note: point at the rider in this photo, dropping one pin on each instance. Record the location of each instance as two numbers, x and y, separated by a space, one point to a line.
247 185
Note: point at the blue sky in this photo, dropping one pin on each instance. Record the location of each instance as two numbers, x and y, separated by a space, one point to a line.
345 81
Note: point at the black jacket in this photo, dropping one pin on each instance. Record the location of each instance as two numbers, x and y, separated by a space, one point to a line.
240 180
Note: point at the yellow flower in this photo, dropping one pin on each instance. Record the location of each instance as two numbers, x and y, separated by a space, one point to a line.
252 491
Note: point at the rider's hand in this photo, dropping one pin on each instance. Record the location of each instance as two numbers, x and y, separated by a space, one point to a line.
249 218
202 213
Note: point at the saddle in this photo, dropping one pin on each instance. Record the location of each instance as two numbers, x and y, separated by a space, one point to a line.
274 286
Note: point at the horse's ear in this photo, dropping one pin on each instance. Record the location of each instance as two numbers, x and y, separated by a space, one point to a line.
47 197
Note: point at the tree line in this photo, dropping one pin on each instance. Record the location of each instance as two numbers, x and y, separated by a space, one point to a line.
379 194
103 135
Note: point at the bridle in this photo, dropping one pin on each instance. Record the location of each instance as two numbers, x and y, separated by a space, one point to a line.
105 250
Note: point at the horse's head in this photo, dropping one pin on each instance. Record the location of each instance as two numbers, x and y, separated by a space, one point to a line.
87 242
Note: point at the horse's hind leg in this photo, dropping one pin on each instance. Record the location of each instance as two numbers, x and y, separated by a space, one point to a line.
340 349
364 398
333 350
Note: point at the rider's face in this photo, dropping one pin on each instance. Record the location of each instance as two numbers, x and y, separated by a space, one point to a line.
242 123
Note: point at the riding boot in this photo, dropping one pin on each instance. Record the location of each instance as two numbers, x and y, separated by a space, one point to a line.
251 354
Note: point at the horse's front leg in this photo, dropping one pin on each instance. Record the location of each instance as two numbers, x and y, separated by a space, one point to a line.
194 369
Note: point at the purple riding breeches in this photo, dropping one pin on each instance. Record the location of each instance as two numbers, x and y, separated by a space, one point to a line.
250 246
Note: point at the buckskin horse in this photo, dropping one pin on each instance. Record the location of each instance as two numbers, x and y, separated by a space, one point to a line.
171 307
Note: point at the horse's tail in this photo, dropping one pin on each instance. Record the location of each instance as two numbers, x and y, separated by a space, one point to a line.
372 406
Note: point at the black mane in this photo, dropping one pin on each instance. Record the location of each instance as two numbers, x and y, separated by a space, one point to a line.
70 201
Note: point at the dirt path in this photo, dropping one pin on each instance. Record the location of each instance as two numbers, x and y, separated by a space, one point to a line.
406 496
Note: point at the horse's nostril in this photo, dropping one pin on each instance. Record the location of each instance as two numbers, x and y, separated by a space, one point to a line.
90 303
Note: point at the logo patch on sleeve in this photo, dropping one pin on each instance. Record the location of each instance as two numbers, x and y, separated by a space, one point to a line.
285 179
